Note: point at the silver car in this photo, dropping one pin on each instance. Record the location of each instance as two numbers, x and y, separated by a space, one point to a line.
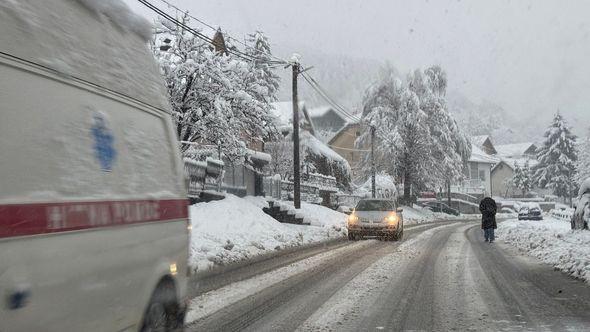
380 218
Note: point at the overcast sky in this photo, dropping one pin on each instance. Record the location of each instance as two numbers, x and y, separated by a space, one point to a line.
528 56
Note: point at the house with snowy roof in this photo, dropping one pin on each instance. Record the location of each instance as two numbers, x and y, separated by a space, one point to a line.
510 156
343 142
477 175
484 143
316 156
326 119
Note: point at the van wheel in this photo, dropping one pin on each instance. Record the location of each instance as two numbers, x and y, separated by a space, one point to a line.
400 235
163 313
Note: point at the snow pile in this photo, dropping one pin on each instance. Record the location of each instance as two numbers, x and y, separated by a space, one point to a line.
318 215
418 214
553 242
235 229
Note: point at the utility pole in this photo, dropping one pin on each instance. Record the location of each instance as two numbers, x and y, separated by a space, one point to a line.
372 161
296 168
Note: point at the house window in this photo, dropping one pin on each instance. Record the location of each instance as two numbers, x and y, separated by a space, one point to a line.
482 175
473 170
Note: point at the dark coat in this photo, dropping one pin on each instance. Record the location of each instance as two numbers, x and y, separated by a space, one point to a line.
488 208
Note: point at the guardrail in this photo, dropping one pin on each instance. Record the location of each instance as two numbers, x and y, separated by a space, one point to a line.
565 215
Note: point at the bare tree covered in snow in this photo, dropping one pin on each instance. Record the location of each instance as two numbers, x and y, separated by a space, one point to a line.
417 140
557 159
216 99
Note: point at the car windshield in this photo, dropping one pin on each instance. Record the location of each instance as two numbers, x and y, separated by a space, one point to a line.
376 205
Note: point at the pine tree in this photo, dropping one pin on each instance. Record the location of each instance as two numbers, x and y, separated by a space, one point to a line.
557 158
522 178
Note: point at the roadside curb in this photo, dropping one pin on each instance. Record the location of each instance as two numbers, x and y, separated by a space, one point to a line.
219 269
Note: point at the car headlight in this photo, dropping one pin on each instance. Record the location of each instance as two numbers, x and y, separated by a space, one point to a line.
392 219
352 219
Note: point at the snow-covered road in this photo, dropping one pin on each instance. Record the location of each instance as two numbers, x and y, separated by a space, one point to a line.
441 277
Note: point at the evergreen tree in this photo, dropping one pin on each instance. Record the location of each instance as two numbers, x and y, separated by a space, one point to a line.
583 163
557 159
522 178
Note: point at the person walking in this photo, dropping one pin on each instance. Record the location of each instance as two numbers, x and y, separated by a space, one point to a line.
488 208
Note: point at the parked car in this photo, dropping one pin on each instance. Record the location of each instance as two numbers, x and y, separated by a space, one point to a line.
530 211
507 210
441 207
581 216
380 218
93 206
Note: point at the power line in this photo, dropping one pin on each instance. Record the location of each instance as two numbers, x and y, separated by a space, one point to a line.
348 149
337 107
314 84
282 61
275 63
199 35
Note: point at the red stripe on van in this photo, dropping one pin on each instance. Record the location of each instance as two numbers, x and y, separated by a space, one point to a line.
42 218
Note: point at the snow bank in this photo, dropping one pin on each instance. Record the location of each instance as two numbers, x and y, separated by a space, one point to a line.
236 229
418 214
553 242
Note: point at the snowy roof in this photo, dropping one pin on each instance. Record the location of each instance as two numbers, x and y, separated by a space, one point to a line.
315 146
513 162
479 140
502 161
516 150
100 42
478 156
317 112
484 142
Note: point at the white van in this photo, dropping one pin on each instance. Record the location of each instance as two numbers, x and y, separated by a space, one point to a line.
93 208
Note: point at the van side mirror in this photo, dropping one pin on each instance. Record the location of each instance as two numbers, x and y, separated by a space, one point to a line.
399 210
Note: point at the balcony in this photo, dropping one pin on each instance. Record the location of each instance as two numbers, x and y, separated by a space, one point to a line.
470 187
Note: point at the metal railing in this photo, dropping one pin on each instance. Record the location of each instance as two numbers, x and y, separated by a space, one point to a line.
202 175
283 190
472 186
